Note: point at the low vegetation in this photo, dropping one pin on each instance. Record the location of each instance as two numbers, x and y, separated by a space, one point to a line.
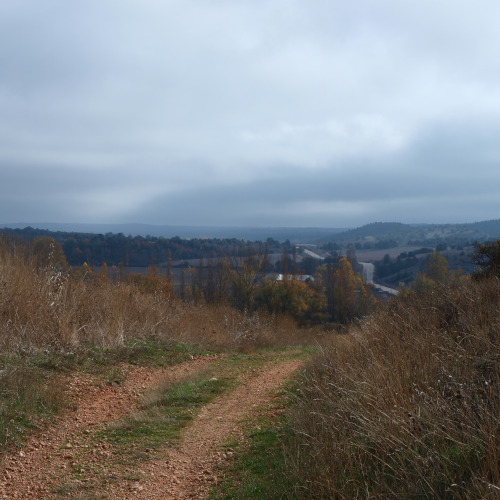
259 468
408 404
49 306
54 320
403 404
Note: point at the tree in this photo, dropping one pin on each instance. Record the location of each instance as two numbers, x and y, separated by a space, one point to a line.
330 288
437 267
487 258
246 273
364 300
285 262
170 274
422 283
351 256
344 287
295 298
103 275
183 283
222 282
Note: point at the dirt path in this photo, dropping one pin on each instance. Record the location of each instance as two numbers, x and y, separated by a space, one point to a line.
189 471
186 471
33 471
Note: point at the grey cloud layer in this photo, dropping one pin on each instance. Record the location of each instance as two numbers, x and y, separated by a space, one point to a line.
245 112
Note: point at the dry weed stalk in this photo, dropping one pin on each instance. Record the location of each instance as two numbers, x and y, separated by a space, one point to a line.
44 305
407 405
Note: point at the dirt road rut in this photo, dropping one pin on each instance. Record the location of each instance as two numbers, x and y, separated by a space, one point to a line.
186 471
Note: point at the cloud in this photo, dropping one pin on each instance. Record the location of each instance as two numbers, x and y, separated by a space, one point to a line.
248 112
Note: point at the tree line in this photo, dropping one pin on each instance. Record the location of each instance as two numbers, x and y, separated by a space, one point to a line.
245 279
136 251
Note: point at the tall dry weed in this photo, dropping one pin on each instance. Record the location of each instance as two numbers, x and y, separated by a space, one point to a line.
44 305
408 404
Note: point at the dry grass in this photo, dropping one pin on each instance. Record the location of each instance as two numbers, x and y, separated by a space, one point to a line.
408 404
53 319
43 306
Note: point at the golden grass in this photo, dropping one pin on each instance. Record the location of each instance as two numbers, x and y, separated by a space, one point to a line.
44 306
53 318
408 404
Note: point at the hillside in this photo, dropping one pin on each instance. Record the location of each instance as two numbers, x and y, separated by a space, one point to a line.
137 251
296 234
392 234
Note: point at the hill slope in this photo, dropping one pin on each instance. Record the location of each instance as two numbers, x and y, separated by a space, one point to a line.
425 234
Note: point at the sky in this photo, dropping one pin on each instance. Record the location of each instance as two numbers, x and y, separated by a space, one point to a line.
321 113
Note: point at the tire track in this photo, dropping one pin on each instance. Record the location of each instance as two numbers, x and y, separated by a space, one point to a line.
34 470
188 471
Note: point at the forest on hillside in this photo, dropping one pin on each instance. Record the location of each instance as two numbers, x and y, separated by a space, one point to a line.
393 234
138 251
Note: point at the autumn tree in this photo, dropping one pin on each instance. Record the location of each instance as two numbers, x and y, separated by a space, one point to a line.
103 275
183 283
422 283
222 281
245 274
344 287
285 262
436 267
170 274
364 300
329 287
351 256
198 278
153 283
294 298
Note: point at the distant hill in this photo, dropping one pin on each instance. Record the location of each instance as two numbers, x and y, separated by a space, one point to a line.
398 234
376 235
294 234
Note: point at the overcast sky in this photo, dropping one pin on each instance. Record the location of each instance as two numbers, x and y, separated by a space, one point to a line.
249 112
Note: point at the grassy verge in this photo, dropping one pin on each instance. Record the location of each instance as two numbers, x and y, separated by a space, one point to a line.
407 405
28 396
258 468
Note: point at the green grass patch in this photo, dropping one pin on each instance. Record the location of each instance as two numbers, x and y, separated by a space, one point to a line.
160 420
32 383
258 468
28 395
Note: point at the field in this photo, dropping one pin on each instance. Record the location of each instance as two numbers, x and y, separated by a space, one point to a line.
116 388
